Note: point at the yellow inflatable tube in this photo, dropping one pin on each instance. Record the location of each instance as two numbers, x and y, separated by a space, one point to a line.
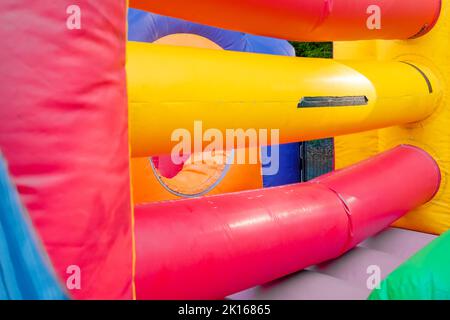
432 135
172 87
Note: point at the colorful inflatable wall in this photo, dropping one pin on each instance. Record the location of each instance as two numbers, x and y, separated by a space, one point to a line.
78 103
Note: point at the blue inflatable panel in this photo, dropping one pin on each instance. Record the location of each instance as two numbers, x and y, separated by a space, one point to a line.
25 271
289 167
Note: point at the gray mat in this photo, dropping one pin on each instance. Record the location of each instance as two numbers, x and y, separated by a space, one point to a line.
344 278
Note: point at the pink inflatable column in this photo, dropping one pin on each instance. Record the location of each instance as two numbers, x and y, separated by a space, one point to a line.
63 113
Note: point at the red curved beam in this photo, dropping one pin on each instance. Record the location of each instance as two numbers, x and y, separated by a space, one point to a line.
306 20
211 247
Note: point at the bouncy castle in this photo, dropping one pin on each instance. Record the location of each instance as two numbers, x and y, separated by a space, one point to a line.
93 205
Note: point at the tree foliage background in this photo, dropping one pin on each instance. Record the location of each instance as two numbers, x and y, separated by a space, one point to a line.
313 49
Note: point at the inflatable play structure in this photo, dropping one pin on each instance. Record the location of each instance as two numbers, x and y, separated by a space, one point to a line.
93 206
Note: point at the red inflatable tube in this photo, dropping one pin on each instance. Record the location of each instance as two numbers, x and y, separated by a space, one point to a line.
208 248
306 20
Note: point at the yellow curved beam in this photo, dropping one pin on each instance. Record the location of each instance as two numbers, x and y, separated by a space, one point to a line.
171 87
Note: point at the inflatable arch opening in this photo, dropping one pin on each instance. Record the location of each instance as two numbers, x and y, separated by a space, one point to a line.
190 178
157 178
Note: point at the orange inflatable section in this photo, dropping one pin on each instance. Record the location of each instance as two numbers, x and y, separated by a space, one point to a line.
306 20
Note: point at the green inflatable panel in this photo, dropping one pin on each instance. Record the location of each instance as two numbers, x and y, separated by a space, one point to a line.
425 276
